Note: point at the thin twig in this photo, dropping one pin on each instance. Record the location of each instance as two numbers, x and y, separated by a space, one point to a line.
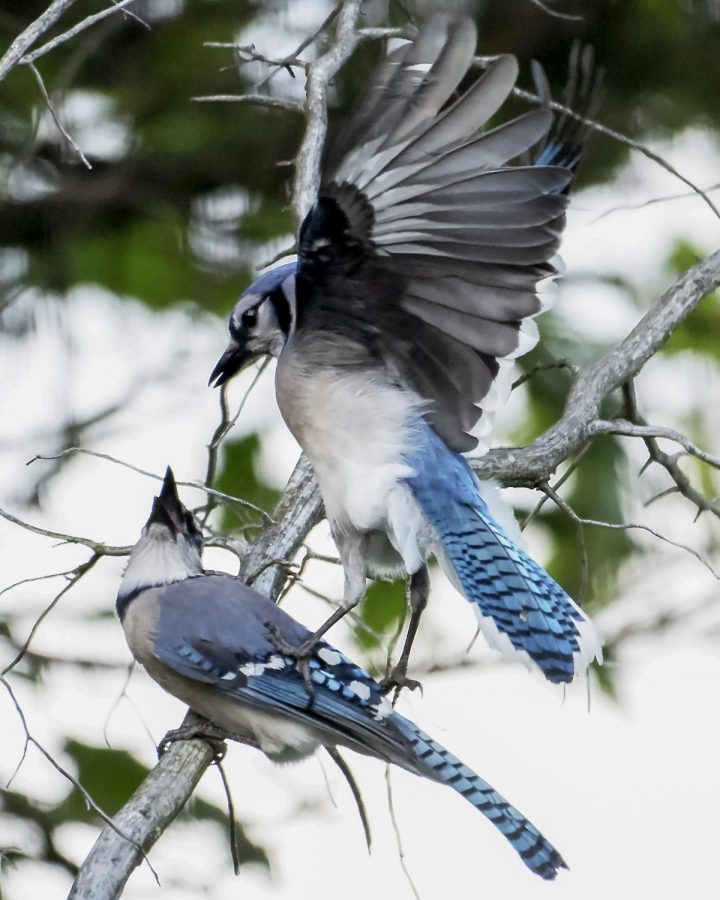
569 17
544 367
669 462
51 109
22 581
117 702
572 467
626 526
631 207
396 829
632 429
308 41
253 99
248 53
118 6
81 570
29 739
198 485
224 427
594 125
97 547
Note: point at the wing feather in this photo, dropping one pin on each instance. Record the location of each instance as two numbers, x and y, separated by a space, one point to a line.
429 227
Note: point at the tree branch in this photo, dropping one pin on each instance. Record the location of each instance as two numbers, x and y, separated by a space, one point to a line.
27 38
319 73
581 420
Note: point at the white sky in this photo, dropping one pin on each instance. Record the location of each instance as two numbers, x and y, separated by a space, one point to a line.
627 791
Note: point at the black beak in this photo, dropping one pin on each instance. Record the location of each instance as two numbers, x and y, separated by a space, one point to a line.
167 509
229 364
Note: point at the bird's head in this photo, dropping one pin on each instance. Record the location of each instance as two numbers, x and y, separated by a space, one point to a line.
170 545
260 322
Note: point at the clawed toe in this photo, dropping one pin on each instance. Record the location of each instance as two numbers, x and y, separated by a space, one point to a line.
397 680
212 735
301 653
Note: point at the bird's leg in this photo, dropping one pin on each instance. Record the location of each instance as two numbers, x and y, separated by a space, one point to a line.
352 556
418 590
201 729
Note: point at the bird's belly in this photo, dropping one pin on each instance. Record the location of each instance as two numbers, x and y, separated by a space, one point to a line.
357 429
279 737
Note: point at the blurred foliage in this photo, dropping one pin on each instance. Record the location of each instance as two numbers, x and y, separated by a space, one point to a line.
186 199
240 476
382 610
701 330
110 777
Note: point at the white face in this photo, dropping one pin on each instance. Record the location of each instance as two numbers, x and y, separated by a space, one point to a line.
254 324
161 557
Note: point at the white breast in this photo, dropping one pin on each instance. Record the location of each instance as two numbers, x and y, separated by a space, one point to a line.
356 431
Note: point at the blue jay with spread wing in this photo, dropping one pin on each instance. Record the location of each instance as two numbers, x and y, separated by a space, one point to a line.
414 289
204 639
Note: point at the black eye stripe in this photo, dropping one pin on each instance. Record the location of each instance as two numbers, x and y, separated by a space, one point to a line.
282 309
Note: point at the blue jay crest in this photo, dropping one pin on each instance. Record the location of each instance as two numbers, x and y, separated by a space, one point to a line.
414 289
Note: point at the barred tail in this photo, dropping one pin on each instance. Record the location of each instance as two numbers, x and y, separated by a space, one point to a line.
433 761
521 609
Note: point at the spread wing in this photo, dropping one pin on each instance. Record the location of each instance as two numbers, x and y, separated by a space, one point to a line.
426 242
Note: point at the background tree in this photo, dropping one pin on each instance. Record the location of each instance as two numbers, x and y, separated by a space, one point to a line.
131 218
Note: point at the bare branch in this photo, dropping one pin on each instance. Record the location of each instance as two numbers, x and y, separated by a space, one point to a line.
533 465
118 6
245 53
681 482
168 787
198 485
96 546
581 521
254 99
383 34
319 73
27 38
622 427
594 125
309 40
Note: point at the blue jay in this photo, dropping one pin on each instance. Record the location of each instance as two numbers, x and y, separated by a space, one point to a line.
413 291
204 639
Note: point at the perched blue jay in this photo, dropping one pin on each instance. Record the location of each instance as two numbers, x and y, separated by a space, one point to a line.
413 290
204 639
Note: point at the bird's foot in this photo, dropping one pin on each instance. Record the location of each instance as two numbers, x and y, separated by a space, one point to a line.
205 731
301 653
397 680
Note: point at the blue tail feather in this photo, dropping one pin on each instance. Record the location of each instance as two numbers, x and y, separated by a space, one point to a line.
433 761
524 602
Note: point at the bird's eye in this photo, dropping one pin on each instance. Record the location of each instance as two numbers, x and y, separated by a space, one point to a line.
249 317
